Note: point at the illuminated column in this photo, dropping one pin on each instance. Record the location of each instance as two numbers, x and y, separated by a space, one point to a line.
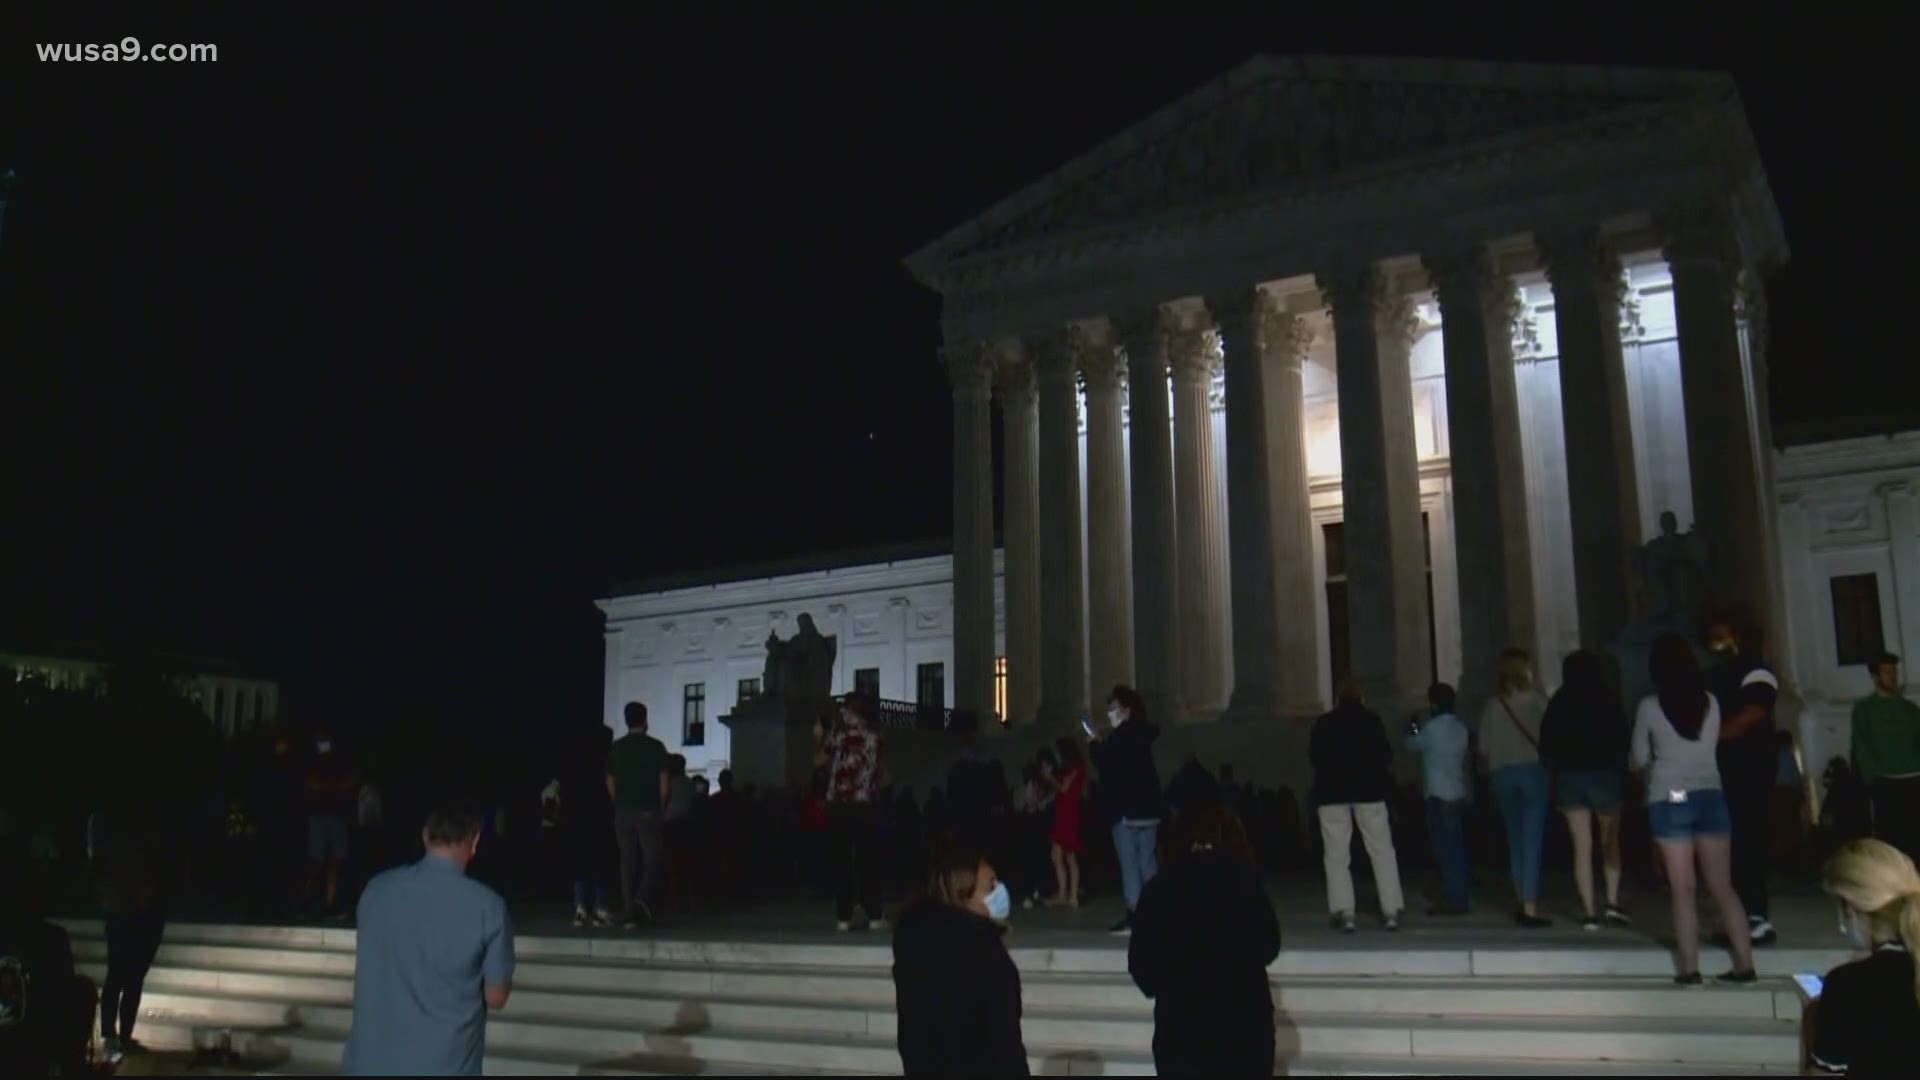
1284 339
1020 536
1156 597
1380 489
1195 358
1063 650
971 377
1603 495
1250 525
1729 505
1110 589
1489 482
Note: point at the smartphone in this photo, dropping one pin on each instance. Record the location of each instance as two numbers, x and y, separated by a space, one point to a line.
1810 986
1086 725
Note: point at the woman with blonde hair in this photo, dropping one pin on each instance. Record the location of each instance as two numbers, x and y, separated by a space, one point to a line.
1863 1021
956 991
1510 746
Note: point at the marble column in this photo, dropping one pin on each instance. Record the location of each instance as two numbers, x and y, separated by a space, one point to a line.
1063 632
1284 339
1156 596
1109 584
1380 489
1491 542
1199 539
1729 507
971 374
1020 532
1603 493
1250 510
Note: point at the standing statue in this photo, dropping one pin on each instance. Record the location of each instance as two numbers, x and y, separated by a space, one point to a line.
1673 574
773 680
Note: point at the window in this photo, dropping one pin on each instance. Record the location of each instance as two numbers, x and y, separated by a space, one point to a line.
1339 641
1856 619
866 681
693 715
932 686
749 689
1000 688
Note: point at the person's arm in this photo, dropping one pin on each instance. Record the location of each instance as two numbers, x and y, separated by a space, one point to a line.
496 961
1640 743
666 787
1830 1030
1758 691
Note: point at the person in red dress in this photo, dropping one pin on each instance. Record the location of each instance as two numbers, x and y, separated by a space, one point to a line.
1069 779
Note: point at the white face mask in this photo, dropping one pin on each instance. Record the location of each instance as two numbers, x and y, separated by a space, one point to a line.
999 903
1116 715
1856 931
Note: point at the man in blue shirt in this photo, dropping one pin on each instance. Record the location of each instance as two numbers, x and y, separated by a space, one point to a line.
435 953
1442 745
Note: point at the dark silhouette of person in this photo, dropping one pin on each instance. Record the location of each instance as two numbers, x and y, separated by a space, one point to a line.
1203 936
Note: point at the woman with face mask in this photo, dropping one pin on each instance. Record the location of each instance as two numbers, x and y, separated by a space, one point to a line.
1203 936
1862 1023
956 991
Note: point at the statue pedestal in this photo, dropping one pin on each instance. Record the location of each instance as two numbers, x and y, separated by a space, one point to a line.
772 743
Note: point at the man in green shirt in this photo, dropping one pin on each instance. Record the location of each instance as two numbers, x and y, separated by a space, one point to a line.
637 782
1886 755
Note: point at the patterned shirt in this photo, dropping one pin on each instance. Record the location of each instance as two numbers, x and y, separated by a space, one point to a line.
854 758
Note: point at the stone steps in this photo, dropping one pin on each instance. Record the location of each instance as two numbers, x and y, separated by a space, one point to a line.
655 1006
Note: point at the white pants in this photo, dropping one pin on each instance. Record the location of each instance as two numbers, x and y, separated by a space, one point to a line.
1336 831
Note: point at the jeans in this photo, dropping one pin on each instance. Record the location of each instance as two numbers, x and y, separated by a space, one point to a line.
1521 791
1139 857
583 890
855 856
1447 823
643 853
1750 802
132 941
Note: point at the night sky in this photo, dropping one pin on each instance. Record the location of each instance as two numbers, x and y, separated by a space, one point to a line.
369 356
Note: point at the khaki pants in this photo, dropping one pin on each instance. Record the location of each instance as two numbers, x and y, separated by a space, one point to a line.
1336 830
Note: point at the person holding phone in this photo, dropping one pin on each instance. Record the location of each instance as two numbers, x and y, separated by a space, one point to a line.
1069 782
1130 789
1861 1022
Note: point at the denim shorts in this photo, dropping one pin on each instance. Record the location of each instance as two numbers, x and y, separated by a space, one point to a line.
1594 789
1703 814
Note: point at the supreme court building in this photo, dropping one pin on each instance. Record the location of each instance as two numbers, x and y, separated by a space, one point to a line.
1431 346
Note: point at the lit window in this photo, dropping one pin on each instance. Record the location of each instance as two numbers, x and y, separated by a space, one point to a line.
693 715
1000 688
749 689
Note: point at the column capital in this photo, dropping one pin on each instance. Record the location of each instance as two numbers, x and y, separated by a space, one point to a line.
969 369
1193 352
1350 287
1013 374
1052 355
1284 336
1696 234
1103 365
1462 279
1143 337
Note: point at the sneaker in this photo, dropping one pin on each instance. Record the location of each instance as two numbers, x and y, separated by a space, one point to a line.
1617 915
580 917
1591 922
1344 923
879 926
1392 922
1123 928
1531 922
1739 978
603 917
1761 931
112 1052
843 926
1027 903
1689 979
630 924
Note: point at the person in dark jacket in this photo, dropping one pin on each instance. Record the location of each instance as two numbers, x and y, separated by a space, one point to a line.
1202 939
1192 786
129 853
1583 743
956 991
46 1006
1130 786
1351 783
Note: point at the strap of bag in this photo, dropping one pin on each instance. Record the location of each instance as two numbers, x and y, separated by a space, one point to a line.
1524 733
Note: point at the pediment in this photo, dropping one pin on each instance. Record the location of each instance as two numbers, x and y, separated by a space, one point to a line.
1277 124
